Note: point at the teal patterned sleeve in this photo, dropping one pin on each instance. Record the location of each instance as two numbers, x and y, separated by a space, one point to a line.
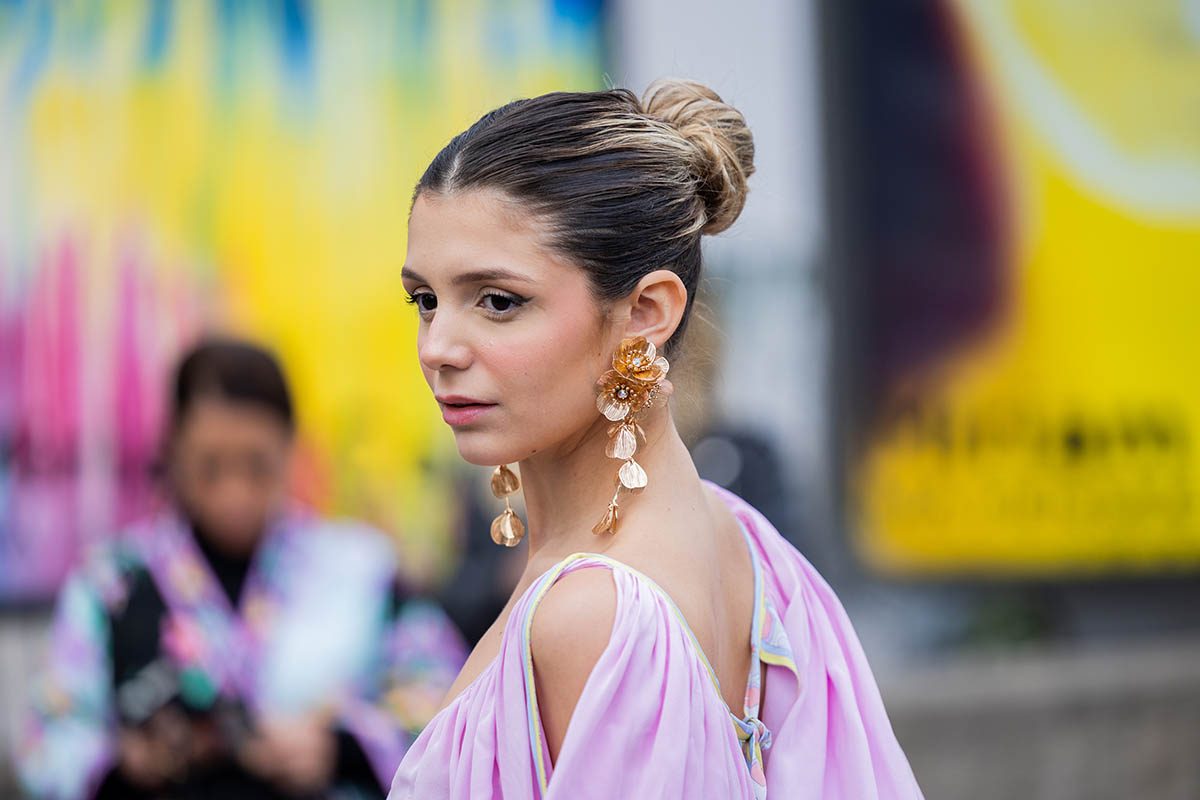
425 652
67 743
420 655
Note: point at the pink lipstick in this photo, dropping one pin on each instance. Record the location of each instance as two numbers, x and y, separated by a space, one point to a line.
458 410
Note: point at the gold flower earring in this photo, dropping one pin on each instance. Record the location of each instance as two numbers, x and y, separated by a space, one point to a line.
637 381
507 529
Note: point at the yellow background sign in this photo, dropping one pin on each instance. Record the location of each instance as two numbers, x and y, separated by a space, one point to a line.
1068 441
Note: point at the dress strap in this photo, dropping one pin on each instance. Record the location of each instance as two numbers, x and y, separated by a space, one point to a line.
751 730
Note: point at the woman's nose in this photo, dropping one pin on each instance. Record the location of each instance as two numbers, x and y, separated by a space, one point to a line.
442 344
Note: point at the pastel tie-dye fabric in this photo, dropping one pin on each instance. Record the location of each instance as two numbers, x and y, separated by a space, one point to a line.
314 632
651 721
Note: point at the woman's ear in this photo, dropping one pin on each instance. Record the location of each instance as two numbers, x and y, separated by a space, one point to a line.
656 306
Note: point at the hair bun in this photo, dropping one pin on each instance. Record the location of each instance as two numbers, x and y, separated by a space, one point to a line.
721 140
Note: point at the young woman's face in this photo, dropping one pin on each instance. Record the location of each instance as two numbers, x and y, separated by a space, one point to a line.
229 465
511 340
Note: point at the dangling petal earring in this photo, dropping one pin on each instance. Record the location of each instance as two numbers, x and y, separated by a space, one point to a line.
637 381
507 529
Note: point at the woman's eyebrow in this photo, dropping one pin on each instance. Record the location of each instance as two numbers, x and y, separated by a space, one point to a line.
493 274
474 276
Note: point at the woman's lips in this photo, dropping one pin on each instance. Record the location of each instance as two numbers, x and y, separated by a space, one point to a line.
463 411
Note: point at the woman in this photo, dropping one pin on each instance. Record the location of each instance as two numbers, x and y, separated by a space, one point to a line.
664 640
234 645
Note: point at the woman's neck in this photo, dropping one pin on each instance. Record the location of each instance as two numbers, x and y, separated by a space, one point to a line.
567 490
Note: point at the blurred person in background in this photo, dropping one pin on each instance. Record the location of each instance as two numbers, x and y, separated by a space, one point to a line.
664 640
234 645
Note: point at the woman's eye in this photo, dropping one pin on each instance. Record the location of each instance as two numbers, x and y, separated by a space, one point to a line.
500 303
424 301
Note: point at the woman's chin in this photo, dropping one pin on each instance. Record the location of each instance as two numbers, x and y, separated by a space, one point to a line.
476 450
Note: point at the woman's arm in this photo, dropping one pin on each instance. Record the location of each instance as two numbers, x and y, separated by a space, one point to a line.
569 632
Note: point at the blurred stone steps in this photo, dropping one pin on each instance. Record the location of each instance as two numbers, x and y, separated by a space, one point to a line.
1095 722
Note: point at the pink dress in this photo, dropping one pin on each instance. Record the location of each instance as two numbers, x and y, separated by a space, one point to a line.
652 722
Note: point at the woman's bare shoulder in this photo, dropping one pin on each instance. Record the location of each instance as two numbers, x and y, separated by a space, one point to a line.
570 630
573 620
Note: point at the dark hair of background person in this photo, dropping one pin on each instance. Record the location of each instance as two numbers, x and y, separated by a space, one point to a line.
231 370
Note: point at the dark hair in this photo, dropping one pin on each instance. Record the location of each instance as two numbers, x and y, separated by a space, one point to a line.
232 370
627 187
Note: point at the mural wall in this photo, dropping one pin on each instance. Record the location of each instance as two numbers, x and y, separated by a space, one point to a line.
168 168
